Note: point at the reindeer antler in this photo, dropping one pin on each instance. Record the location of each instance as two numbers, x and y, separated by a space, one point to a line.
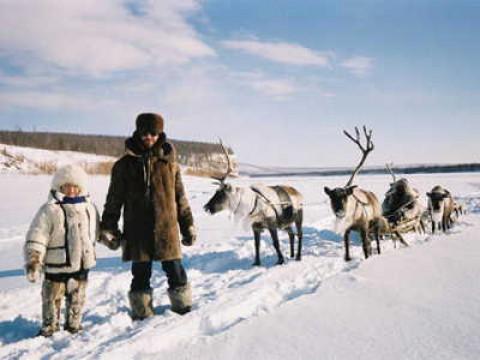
365 149
389 167
229 165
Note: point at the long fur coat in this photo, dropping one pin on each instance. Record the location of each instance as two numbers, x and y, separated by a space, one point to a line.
148 186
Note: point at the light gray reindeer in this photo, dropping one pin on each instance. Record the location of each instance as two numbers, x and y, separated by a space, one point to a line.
441 207
261 207
355 208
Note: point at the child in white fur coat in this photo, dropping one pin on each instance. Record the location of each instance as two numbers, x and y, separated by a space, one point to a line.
61 243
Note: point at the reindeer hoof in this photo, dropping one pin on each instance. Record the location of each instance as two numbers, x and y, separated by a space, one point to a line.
298 258
280 261
256 263
347 258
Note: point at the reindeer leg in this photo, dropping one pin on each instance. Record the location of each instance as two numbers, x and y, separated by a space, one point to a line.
298 225
291 236
367 246
377 239
276 245
346 241
300 240
422 226
256 234
433 227
400 237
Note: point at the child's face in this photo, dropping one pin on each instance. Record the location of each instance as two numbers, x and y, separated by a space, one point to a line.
70 190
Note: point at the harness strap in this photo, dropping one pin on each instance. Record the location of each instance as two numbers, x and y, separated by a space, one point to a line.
258 192
364 204
254 206
238 205
360 201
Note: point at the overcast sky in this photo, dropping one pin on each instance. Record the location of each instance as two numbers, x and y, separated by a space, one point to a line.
276 80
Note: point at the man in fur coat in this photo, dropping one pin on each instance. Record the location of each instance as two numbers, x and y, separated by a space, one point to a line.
146 182
401 201
61 243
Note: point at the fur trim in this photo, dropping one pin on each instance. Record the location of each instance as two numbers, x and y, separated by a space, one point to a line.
70 174
52 294
149 122
75 300
181 299
141 304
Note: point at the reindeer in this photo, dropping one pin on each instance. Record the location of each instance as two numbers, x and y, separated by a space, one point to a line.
261 207
355 208
441 207
458 209
402 202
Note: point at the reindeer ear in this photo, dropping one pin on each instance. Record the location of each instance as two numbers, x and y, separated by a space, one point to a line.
350 189
327 190
429 194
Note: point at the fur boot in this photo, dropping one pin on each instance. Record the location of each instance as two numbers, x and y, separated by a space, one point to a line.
181 299
52 294
75 300
141 304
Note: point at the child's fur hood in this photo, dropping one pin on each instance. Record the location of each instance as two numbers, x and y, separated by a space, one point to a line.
70 174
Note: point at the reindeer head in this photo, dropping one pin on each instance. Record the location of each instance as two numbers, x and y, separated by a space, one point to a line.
339 198
221 199
437 199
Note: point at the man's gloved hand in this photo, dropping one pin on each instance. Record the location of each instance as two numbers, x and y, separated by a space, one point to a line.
33 271
110 239
190 238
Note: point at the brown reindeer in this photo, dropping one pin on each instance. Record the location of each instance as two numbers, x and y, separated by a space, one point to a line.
261 207
441 207
355 208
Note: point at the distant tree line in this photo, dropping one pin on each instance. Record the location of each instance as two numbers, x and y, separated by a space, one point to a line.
414 169
200 155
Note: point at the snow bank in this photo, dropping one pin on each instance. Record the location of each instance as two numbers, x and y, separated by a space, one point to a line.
18 159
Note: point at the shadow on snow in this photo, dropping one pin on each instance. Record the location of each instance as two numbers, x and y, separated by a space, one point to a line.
12 331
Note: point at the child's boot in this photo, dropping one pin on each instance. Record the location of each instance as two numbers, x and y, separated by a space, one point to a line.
75 300
52 294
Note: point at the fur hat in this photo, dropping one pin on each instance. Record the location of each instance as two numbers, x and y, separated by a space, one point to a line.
70 174
149 122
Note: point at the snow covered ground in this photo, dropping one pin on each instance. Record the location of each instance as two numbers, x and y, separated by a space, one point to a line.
419 302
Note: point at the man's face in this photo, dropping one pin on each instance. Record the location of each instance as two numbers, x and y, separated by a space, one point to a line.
149 139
